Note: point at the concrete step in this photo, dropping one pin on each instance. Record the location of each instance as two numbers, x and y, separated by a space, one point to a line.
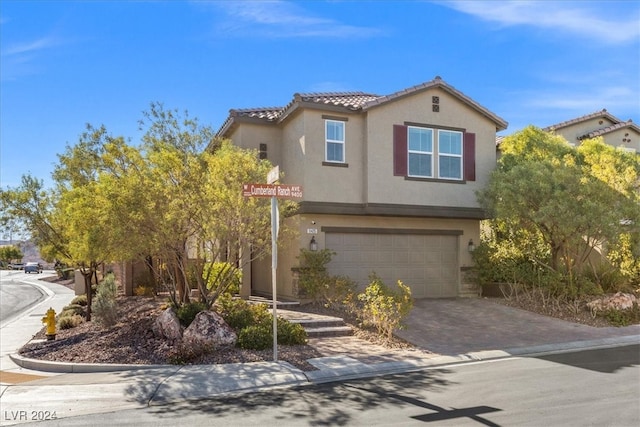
328 331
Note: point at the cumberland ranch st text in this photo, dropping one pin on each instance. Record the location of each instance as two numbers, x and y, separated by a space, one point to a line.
272 190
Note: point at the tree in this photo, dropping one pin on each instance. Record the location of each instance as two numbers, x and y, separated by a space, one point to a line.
572 201
9 253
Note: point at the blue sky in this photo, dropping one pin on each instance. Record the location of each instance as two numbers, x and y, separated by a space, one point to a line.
67 63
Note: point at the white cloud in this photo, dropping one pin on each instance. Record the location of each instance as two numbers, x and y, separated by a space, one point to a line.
579 18
28 47
284 19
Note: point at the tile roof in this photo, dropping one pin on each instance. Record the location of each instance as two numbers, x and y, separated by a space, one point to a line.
603 113
354 101
609 129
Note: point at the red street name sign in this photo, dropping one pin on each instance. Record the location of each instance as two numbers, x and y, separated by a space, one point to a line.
272 190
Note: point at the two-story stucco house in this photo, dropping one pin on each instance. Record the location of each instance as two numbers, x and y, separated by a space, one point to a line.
388 183
615 132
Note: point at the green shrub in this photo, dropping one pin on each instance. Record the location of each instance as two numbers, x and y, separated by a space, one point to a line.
223 274
71 309
383 308
255 337
313 278
70 321
80 300
290 333
239 313
623 317
144 291
187 312
104 306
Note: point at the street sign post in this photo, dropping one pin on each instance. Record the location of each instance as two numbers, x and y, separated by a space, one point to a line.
274 191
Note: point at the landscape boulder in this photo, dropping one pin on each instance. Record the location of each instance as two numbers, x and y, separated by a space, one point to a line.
168 326
209 328
619 301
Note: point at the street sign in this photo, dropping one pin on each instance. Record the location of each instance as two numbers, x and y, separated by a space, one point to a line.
275 192
273 175
280 191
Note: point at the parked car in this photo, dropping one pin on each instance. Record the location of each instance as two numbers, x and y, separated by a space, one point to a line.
16 266
33 267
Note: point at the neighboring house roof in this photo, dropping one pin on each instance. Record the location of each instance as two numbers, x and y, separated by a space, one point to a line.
600 132
348 101
603 113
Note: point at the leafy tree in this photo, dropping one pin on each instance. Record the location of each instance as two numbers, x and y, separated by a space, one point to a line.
8 253
545 194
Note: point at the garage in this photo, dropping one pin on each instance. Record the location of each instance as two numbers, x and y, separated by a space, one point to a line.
423 260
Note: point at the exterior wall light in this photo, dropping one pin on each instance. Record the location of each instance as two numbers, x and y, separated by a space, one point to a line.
471 247
313 245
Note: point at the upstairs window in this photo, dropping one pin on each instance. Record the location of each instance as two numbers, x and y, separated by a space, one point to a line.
420 141
433 153
449 154
334 135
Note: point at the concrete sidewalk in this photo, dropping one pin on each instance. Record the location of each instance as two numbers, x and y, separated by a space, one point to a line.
457 330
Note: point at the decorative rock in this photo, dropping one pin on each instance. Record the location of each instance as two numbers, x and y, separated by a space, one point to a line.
619 301
168 326
209 328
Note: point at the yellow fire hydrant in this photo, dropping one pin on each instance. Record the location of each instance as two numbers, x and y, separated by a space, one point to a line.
50 321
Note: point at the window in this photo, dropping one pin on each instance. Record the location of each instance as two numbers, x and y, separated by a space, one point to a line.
334 134
420 141
425 152
449 154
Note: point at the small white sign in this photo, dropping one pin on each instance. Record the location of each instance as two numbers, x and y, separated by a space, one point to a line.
273 175
312 231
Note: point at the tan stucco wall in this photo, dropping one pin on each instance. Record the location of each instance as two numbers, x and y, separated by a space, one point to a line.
572 132
383 187
250 136
289 251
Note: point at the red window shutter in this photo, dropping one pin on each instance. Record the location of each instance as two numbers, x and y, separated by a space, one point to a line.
400 152
469 158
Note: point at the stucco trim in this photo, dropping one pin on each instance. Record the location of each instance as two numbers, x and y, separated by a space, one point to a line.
387 209
372 230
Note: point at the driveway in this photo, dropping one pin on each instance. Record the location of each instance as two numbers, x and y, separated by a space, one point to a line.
463 325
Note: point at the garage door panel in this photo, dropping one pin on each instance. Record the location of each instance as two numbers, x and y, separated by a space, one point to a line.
426 263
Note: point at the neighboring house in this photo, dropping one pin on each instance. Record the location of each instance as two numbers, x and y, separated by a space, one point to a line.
615 132
389 183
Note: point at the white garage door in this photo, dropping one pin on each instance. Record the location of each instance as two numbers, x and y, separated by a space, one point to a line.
426 263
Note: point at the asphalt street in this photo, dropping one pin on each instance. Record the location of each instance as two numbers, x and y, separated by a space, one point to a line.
587 387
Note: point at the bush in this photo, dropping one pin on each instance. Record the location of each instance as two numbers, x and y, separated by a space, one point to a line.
383 308
70 321
80 300
255 337
290 333
223 274
623 317
187 312
72 309
144 291
240 314
104 306
313 278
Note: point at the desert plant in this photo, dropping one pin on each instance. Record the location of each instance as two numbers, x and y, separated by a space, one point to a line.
71 321
255 337
239 313
71 309
187 312
290 333
104 306
313 278
80 300
384 308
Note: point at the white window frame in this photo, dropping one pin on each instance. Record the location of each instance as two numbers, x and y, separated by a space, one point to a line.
340 142
451 155
420 152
